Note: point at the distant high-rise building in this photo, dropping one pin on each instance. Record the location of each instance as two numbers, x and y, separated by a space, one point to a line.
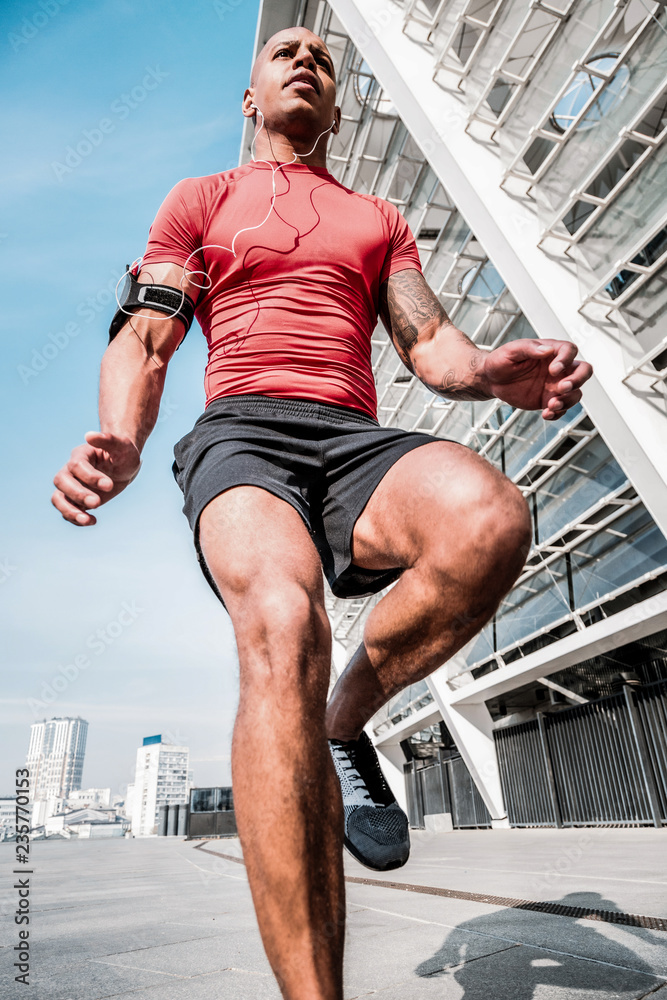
161 778
55 757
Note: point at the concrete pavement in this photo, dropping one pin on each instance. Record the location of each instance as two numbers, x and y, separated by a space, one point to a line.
159 918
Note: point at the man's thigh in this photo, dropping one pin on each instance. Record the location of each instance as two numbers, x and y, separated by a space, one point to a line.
254 543
432 494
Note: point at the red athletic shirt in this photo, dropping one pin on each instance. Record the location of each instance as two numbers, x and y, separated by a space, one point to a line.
292 314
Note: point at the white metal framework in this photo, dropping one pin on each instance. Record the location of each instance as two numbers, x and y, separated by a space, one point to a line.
488 123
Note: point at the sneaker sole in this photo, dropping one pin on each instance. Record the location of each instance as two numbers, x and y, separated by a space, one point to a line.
349 846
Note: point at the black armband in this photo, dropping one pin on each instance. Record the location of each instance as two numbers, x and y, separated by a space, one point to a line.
137 295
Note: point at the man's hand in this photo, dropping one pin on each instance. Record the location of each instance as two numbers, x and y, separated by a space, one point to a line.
529 374
96 472
537 374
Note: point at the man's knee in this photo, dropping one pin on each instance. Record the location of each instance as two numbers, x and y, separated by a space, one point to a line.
510 523
283 635
490 520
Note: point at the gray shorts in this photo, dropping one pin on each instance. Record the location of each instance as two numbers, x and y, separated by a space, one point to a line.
322 459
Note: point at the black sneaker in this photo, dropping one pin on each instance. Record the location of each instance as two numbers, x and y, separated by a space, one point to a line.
376 828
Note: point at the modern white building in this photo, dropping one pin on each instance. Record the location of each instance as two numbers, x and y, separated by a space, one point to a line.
85 824
524 142
90 797
55 757
161 779
126 804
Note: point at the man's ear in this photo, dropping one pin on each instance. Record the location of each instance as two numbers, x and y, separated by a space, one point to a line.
336 128
247 105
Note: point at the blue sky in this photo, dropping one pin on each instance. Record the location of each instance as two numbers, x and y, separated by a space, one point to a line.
148 93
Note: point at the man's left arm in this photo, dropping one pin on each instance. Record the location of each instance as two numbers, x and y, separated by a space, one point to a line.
529 374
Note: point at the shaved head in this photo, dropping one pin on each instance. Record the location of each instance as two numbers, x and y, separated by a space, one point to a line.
289 35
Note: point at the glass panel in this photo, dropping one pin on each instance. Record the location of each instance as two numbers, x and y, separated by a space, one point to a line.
408 701
204 800
588 477
226 803
606 562
495 46
528 435
540 601
482 288
536 30
403 181
583 24
364 181
615 108
615 170
655 121
483 648
648 255
621 225
645 311
379 136
577 215
586 83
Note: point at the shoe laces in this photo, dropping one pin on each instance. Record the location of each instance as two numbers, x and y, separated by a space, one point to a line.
346 757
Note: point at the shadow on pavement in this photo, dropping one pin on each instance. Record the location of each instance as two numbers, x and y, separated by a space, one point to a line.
473 960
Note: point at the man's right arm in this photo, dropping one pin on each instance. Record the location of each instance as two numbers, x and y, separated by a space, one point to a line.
132 379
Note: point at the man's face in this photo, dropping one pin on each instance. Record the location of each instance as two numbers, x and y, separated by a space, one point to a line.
294 84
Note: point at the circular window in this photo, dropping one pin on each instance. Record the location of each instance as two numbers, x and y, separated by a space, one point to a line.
481 285
580 91
363 81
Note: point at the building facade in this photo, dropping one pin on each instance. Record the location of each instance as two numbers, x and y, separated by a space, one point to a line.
7 817
55 757
524 143
93 798
161 778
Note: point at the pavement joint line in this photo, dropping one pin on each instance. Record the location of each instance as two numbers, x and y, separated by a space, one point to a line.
136 968
175 975
151 947
207 871
534 906
652 991
523 944
468 961
518 871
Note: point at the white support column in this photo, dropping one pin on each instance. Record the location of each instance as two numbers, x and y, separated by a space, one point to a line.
472 730
339 657
392 760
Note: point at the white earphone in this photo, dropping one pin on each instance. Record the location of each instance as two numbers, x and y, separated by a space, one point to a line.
246 229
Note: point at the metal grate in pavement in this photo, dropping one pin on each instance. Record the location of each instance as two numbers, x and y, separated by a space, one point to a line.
577 912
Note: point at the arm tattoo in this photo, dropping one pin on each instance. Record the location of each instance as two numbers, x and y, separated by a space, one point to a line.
407 305
452 386
410 311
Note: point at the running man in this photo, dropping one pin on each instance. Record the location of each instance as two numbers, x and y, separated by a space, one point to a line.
288 472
